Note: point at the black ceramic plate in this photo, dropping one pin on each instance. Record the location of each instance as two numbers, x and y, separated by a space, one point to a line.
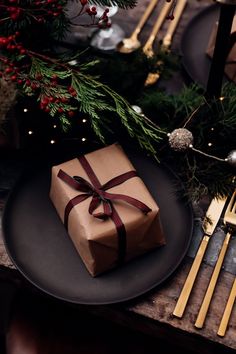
40 248
194 44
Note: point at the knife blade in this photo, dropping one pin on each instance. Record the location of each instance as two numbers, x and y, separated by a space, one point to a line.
210 221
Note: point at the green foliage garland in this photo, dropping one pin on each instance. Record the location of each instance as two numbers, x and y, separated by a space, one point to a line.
213 125
28 30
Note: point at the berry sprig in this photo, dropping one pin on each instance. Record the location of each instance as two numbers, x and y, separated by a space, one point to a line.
40 10
91 11
55 96
172 9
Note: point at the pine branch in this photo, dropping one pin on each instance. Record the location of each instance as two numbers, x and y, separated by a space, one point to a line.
62 89
213 125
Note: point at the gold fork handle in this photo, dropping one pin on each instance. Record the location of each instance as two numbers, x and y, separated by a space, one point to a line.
144 18
211 287
188 285
152 78
227 311
160 19
173 24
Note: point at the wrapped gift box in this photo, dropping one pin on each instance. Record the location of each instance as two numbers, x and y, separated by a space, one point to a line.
230 66
104 241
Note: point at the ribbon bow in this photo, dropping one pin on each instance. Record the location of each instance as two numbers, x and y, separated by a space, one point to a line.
100 195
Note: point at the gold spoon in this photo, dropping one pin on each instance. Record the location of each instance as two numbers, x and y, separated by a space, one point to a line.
148 47
166 43
128 45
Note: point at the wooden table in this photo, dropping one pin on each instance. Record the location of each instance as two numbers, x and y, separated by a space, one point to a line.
152 313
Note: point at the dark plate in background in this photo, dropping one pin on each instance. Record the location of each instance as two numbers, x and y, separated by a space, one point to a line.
194 43
40 248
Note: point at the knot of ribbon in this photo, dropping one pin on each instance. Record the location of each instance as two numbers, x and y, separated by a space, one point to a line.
99 195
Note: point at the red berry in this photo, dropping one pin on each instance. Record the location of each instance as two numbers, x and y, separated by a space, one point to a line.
71 113
15 16
38 77
45 100
8 70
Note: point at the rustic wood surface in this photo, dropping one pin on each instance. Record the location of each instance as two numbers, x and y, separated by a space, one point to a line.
152 313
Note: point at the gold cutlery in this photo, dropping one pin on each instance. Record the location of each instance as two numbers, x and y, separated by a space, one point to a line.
167 40
227 311
128 45
209 224
230 221
148 47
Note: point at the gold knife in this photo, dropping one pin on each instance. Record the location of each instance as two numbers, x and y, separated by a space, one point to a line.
209 224
166 43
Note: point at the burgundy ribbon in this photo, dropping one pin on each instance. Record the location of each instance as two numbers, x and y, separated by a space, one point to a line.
99 195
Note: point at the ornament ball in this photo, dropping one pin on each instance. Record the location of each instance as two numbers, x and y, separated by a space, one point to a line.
180 139
231 158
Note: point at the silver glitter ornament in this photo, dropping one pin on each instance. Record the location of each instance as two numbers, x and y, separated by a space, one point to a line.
180 139
137 109
231 158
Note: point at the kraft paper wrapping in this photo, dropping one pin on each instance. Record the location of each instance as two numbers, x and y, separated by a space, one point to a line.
94 239
230 66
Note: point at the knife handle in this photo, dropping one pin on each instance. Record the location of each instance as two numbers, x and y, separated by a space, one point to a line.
211 287
227 311
188 285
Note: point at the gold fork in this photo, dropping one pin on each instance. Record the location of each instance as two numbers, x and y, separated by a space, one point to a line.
152 78
128 45
148 46
227 311
230 221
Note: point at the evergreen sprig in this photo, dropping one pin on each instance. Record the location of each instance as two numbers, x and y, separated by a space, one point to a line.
62 89
213 125
28 29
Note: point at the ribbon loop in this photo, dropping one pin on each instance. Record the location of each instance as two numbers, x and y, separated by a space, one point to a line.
84 185
99 194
